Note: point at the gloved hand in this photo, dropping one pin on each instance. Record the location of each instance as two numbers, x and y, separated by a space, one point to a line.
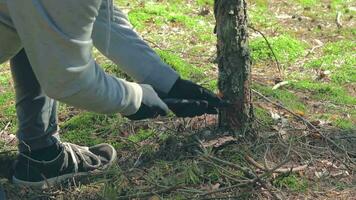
187 99
151 107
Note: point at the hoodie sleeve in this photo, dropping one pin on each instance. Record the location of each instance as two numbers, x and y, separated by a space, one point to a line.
57 38
114 36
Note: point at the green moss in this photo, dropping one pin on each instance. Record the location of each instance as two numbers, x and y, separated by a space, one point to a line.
345 124
141 135
7 104
325 92
263 116
205 2
185 69
286 97
338 57
292 182
212 85
286 48
82 128
85 120
308 3
81 137
148 13
172 13
260 15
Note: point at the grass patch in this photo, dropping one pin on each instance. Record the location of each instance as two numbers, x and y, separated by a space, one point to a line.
263 116
291 182
286 97
286 48
307 3
7 104
205 2
141 135
260 15
81 129
186 70
192 173
344 124
174 14
325 92
340 58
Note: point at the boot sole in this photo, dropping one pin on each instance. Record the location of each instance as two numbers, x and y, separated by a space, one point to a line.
51 182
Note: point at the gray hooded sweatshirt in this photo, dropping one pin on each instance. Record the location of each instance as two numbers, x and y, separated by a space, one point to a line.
58 36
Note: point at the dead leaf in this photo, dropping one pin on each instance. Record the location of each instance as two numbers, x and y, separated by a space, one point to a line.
316 122
275 116
210 187
155 198
299 112
283 83
342 173
216 143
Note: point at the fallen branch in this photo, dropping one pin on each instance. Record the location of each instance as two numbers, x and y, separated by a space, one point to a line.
252 181
283 83
279 170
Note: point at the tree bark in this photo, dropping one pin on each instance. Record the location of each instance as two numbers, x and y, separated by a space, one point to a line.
234 63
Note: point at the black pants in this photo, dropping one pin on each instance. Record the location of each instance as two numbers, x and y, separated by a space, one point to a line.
36 112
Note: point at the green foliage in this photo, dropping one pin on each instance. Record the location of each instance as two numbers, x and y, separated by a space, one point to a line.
286 48
291 182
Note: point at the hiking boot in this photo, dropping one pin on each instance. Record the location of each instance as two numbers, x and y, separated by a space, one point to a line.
73 161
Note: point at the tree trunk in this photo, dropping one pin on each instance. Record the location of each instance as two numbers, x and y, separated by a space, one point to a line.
234 63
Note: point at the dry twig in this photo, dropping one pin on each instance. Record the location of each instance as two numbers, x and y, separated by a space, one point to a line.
5 128
280 170
338 20
280 69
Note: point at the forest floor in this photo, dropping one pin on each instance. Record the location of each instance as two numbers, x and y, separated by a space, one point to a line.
305 127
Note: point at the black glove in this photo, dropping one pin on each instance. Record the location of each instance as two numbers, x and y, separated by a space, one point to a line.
151 107
187 99
190 108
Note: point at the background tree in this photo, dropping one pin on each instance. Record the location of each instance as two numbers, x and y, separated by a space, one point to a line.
234 61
